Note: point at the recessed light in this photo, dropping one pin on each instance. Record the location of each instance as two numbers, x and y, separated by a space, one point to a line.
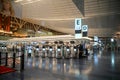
28 0
18 0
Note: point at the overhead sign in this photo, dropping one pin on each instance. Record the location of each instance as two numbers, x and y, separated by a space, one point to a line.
84 28
78 24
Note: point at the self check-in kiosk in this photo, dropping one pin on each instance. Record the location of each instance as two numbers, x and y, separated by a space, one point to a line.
59 52
50 52
43 51
75 53
47 51
68 52
54 52
37 51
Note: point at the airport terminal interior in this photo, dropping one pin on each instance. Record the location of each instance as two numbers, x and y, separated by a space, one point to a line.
59 39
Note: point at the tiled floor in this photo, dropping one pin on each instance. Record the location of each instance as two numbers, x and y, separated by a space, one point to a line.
103 65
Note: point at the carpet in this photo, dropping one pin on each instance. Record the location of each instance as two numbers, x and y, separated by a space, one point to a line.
4 69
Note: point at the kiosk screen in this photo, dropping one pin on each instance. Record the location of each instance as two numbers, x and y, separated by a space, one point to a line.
68 49
74 49
58 49
50 49
43 49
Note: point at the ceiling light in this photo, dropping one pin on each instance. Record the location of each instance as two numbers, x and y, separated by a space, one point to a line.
30 1
57 19
18 0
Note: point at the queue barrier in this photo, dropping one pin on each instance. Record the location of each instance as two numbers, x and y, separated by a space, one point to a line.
13 60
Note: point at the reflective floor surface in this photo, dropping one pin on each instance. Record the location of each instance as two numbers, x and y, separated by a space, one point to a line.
102 65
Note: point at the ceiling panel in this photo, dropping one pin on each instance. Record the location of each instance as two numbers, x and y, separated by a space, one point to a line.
98 7
51 9
60 14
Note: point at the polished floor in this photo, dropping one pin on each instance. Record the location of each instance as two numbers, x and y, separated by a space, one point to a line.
103 65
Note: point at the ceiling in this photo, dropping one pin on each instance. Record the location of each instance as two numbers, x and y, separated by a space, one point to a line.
102 16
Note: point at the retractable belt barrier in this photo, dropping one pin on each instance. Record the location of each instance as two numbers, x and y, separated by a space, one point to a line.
6 58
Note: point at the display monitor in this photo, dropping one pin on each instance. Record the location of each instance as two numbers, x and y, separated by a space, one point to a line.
112 40
37 49
68 49
50 49
58 49
43 49
75 50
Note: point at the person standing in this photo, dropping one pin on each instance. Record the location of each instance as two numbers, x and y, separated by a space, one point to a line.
80 50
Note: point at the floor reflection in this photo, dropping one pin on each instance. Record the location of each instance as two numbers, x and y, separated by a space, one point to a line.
113 60
54 65
60 66
101 65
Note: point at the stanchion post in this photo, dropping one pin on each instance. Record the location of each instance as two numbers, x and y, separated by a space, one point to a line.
14 56
6 59
0 58
22 62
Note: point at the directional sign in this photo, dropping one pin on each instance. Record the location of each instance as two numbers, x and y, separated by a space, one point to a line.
78 24
84 28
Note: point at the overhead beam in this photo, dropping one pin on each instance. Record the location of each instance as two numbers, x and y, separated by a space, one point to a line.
80 5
